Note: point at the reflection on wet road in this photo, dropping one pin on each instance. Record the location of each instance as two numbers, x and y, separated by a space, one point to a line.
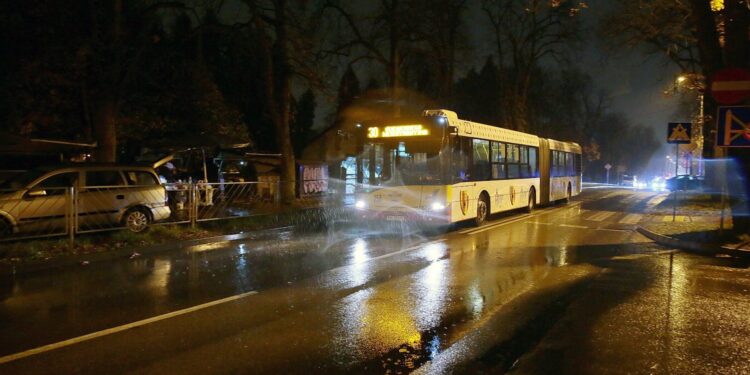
346 301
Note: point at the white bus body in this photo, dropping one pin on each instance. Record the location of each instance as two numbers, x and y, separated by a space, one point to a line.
447 170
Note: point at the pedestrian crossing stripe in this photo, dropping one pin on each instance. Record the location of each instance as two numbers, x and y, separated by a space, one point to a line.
677 218
601 216
655 201
631 219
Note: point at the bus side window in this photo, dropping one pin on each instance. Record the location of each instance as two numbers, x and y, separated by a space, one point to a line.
481 164
569 167
497 160
555 161
533 165
513 160
460 159
524 161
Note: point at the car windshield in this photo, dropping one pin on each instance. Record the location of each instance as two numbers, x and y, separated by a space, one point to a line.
22 180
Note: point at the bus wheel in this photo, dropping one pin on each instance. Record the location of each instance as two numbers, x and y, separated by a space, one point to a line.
532 200
483 208
6 228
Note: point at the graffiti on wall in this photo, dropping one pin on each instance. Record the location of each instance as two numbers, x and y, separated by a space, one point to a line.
314 180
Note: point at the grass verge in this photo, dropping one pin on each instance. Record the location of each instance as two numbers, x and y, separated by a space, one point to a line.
51 248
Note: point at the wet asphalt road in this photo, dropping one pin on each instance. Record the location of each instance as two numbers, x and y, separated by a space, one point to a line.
347 301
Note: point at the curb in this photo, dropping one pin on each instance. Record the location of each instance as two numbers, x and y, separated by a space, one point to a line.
80 259
691 246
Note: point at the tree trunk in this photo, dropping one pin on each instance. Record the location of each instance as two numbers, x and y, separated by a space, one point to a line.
282 96
105 130
735 55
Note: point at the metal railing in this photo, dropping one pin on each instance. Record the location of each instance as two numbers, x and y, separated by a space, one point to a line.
217 201
35 213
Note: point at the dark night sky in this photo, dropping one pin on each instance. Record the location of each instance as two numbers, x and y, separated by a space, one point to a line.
635 81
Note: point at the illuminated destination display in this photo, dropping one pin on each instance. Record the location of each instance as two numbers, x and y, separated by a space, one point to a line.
397 131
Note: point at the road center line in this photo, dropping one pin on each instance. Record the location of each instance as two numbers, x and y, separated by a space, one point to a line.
389 254
113 330
574 226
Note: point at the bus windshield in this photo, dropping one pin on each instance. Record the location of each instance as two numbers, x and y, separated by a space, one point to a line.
403 163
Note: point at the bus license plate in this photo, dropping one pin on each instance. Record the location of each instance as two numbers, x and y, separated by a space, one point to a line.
394 218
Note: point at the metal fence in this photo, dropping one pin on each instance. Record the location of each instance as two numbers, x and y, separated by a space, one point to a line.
38 213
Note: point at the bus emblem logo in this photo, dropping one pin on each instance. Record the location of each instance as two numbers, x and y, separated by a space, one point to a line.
464 202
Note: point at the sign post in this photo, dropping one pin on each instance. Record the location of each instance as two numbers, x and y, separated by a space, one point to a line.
608 167
678 133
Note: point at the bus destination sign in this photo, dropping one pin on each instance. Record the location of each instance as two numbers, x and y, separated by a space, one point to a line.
397 131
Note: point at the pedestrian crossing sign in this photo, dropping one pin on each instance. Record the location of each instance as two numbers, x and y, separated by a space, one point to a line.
733 127
679 132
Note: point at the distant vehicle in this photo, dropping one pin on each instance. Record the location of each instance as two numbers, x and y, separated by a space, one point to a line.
628 180
439 169
684 182
107 196
658 184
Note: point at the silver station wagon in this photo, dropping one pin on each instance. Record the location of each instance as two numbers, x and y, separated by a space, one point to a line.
87 197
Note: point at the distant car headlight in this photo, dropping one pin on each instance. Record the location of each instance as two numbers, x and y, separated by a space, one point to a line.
437 206
360 204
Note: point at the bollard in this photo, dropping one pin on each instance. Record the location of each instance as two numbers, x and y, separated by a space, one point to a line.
71 218
193 206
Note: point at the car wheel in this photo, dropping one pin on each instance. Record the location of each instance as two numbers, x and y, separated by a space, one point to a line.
483 208
136 220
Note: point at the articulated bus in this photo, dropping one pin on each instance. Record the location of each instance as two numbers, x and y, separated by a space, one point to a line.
440 169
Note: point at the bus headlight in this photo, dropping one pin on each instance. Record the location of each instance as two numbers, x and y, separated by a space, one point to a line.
360 204
437 206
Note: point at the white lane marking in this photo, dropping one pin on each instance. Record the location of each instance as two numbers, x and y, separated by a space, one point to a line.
614 230
573 226
631 219
538 223
601 216
519 218
113 330
496 225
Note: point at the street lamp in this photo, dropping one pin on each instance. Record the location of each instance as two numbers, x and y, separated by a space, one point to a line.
692 81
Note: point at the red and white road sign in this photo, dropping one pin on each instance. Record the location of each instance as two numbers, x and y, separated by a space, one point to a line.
731 85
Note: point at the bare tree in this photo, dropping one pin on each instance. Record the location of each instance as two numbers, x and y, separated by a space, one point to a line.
385 38
527 33
442 38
